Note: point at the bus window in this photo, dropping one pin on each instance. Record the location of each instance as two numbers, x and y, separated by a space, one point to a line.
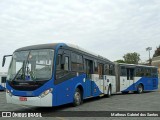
100 71
123 71
106 69
66 64
95 67
130 73
154 72
142 72
148 72
62 69
77 62
58 62
89 68
138 72
111 69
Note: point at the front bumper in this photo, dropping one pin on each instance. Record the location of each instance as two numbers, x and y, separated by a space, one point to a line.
46 101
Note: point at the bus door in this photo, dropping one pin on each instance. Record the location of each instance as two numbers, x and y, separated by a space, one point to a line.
130 78
101 79
98 80
126 77
89 72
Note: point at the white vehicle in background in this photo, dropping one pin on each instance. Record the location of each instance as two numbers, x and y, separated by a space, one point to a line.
3 76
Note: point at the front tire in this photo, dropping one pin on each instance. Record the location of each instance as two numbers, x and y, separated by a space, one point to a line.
140 89
77 99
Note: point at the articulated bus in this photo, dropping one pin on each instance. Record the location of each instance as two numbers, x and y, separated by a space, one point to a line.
56 74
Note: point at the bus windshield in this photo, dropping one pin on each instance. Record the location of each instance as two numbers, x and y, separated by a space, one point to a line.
31 65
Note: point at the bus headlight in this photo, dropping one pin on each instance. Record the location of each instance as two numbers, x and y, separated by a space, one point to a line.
8 92
46 93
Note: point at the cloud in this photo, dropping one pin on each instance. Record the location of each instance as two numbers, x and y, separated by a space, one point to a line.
106 27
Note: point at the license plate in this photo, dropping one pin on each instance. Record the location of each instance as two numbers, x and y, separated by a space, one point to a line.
22 99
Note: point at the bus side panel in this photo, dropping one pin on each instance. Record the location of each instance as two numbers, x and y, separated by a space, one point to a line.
148 84
64 91
97 85
87 88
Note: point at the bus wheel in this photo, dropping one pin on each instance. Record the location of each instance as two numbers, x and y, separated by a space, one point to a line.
140 89
77 97
109 92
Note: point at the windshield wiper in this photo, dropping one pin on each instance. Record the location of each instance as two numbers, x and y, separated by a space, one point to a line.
21 69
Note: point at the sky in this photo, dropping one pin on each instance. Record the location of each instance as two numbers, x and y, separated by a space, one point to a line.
110 28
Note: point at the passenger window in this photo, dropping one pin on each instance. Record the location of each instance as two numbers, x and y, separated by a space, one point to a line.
88 68
111 70
154 72
77 62
95 67
138 72
62 69
142 72
66 65
100 71
123 71
148 72
107 69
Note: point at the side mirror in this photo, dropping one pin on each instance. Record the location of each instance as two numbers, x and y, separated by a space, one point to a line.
4 60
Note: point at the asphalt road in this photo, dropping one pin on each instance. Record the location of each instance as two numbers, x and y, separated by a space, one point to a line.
149 101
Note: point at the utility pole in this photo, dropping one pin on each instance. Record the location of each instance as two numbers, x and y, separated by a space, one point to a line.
149 49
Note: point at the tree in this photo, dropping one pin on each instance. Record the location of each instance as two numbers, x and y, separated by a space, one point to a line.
131 58
157 52
120 61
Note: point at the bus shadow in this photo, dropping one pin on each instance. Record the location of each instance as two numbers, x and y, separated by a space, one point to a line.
131 93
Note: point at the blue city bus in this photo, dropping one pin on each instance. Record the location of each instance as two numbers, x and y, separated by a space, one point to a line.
56 74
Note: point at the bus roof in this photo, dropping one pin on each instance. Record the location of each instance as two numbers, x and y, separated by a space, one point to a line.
40 46
55 45
138 65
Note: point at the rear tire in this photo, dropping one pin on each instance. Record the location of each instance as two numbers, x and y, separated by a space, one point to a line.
140 89
109 93
77 98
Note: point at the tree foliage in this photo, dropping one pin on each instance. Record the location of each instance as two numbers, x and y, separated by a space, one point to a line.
120 61
157 52
131 58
